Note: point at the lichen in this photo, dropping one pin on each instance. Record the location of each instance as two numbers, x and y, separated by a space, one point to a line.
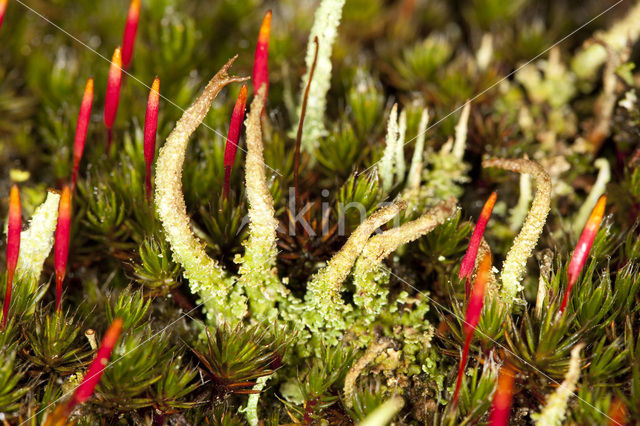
37 240
554 411
257 271
325 27
516 260
205 275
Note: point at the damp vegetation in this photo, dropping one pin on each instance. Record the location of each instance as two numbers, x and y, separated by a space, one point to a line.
319 212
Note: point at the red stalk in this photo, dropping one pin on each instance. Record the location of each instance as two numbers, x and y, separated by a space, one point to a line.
130 29
472 317
81 129
617 412
581 253
231 147
261 58
13 247
112 97
150 127
501 406
61 250
91 379
3 8
469 260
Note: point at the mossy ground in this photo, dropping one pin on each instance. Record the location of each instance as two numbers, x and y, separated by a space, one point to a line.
432 54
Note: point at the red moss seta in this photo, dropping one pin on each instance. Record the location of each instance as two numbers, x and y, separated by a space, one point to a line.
261 58
61 250
469 260
231 147
83 392
130 29
3 9
91 379
617 412
472 317
81 129
150 128
112 97
13 247
581 253
501 405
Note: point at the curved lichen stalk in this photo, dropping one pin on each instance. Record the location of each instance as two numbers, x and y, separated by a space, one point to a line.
516 261
258 275
206 277
368 272
323 295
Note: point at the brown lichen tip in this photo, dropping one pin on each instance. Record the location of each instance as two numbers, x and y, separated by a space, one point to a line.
200 269
515 263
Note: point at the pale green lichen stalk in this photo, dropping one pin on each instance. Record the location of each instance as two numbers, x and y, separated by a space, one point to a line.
37 241
461 132
323 291
368 273
258 275
415 170
554 411
387 162
205 276
325 27
401 167
519 212
251 409
516 261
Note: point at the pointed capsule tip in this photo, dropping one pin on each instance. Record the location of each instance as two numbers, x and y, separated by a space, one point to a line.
155 87
88 88
117 56
469 260
265 28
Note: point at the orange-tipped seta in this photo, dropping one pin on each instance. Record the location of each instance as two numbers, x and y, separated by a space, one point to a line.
469 260
61 250
91 379
130 29
3 9
81 129
472 316
261 58
150 128
13 247
231 147
501 405
112 97
581 253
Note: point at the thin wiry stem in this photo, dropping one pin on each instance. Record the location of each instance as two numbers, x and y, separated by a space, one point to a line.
303 113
